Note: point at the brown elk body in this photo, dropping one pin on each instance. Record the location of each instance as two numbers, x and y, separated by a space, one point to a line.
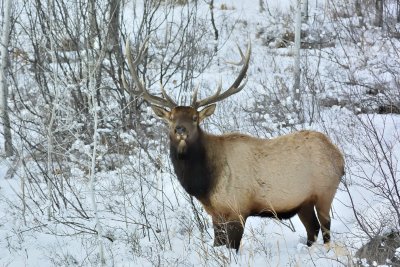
235 176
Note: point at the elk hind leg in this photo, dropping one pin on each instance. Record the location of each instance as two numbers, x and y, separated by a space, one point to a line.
324 217
309 219
234 232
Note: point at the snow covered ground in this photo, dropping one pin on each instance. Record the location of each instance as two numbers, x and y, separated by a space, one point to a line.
148 220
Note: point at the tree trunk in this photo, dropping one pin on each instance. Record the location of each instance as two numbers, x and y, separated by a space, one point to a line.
305 11
216 34
398 11
8 148
295 94
357 6
114 50
378 13
93 69
261 6
113 29
297 46
93 27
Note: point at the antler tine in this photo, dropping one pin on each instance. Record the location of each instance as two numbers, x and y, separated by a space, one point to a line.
237 84
194 96
166 96
242 58
196 104
166 101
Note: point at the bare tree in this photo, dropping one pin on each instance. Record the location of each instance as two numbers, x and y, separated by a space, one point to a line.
3 79
378 13
398 10
78 109
304 12
211 4
297 51
93 68
357 6
372 139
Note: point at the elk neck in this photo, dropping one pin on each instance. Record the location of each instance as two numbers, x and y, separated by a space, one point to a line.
193 168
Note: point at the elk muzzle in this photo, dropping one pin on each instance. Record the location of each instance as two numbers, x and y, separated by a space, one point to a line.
180 130
181 136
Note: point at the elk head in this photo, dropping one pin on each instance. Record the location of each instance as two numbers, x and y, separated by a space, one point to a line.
184 121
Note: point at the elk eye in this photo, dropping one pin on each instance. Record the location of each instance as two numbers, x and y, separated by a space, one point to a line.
194 117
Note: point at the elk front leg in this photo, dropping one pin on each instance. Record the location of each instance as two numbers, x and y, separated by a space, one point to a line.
228 233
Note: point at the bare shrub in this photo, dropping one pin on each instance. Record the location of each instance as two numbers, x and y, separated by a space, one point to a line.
380 249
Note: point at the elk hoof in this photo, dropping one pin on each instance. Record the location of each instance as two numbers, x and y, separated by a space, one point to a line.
309 243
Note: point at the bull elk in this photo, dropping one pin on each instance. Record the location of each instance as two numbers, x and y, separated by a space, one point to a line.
235 176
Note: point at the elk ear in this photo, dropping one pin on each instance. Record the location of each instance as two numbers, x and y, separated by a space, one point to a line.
207 111
161 112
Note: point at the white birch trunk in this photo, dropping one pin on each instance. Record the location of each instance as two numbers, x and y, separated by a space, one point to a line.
297 46
23 197
50 173
5 39
92 189
94 63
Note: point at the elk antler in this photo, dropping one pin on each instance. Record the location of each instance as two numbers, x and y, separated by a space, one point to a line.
165 101
233 89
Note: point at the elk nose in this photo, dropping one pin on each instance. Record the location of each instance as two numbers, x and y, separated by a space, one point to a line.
180 129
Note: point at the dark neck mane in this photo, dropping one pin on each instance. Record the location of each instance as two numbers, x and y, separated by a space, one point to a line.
193 170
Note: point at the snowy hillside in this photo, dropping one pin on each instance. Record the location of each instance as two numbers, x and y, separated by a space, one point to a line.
91 177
